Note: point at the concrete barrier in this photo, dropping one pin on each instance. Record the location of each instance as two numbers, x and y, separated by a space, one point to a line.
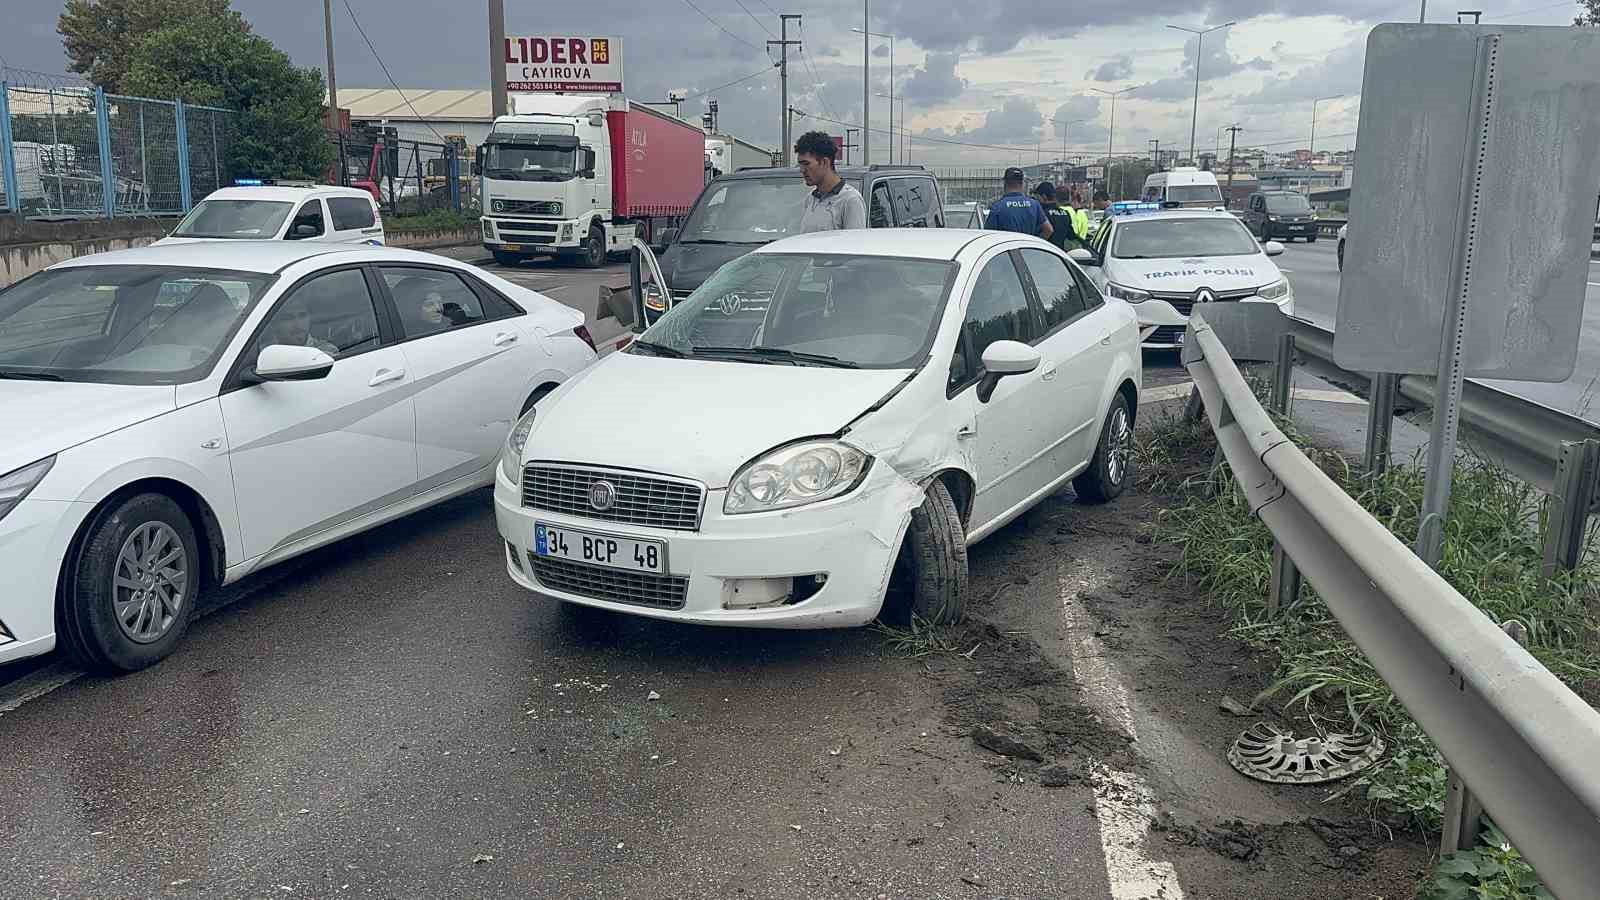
28 247
430 240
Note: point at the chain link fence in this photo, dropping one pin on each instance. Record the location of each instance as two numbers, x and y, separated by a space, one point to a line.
971 185
408 177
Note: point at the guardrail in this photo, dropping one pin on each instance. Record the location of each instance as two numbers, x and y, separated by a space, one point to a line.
1521 741
1330 227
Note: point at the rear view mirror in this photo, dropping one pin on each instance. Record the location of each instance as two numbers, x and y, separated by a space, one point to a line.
283 362
1083 257
664 238
1272 248
1003 358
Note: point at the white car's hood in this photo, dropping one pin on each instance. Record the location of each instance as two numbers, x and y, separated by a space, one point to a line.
42 418
1219 273
696 419
175 241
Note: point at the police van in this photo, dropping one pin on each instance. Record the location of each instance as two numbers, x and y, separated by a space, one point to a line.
1183 187
1165 261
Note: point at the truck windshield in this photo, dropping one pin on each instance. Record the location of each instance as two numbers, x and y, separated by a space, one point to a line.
1194 193
1288 203
234 219
747 211
529 162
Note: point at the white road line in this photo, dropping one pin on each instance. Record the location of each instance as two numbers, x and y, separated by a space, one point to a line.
36 685
1123 804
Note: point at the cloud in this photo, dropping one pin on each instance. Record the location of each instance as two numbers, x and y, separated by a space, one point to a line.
1079 117
935 82
1338 73
1017 121
1118 68
881 51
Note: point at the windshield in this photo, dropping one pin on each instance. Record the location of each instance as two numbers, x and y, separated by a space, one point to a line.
860 311
530 162
123 324
235 219
1167 238
747 211
1288 203
1194 193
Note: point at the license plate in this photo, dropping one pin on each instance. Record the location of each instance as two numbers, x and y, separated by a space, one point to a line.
609 550
511 248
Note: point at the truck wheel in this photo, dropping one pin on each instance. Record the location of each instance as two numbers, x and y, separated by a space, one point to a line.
929 581
129 591
509 260
1112 464
594 249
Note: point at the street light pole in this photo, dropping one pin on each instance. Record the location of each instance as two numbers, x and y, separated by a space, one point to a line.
891 85
1199 45
866 83
1112 132
333 83
1314 123
497 58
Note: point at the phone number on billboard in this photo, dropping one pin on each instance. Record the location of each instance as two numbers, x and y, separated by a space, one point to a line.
604 87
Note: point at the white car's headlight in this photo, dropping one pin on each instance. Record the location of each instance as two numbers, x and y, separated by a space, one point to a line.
795 475
1275 291
1131 295
16 485
511 456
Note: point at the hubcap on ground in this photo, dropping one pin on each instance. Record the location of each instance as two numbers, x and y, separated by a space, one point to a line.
148 582
1119 446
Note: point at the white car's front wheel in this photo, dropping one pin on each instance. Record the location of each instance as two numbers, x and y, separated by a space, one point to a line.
929 582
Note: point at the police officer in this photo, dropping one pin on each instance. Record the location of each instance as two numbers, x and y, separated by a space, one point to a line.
1062 231
1016 211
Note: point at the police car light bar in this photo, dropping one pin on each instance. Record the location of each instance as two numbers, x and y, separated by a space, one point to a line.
1129 207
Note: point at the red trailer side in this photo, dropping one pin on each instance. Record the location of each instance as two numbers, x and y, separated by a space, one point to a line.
657 162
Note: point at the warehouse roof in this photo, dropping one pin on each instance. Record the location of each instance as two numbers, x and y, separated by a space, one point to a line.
425 103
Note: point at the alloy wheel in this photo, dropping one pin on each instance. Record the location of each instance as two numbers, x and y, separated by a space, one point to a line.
149 581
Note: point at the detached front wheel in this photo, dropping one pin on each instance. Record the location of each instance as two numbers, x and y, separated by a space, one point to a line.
1112 465
929 581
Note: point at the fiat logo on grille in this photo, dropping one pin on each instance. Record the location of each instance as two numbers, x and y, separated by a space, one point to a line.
602 495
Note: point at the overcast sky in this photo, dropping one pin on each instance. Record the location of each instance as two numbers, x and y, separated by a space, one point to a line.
1012 73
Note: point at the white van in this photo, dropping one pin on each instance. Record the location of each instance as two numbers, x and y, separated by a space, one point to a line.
1183 187
338 215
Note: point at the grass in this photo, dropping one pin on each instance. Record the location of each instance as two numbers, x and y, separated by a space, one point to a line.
920 638
433 220
1492 555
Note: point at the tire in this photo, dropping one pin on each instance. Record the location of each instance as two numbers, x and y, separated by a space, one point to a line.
1312 239
1112 466
929 581
594 249
509 260
112 627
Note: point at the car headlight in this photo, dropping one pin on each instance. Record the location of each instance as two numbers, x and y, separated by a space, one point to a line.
16 485
511 456
1131 295
1275 291
1272 218
654 299
796 475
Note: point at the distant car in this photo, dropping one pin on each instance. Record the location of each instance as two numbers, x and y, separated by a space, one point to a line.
1342 229
1281 214
1163 262
178 417
325 213
965 215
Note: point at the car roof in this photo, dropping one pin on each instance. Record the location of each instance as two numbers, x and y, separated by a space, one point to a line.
285 193
916 243
243 256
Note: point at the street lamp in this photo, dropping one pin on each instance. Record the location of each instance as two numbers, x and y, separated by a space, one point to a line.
1199 45
892 101
864 32
1112 131
1314 123
1063 127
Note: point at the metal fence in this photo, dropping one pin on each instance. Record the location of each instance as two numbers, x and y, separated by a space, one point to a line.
971 185
409 177
78 153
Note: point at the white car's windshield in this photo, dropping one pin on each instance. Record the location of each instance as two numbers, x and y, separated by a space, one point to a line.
123 324
1168 238
1194 193
236 219
870 312
747 211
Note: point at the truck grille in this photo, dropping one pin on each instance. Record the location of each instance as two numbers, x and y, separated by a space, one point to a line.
614 585
528 207
655 501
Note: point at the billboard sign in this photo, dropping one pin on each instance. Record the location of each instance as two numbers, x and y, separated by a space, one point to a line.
1094 173
558 63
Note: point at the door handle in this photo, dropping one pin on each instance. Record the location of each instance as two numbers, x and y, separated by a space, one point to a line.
1106 340
383 376
965 431
504 338
1049 375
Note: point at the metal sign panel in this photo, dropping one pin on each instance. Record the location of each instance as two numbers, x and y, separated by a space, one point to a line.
548 63
1520 217
1094 173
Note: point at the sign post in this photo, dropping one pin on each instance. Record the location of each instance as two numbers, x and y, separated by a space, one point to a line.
538 64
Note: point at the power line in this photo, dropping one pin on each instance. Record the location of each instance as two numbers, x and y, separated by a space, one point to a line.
753 18
729 84
816 80
363 33
720 27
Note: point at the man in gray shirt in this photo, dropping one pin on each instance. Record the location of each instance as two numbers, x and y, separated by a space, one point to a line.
832 204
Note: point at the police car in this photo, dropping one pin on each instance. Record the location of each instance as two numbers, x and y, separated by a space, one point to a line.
1164 261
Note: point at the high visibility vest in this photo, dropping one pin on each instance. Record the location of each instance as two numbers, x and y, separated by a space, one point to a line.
1080 222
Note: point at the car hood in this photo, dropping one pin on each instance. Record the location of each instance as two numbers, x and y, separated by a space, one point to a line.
696 419
1219 273
42 418
686 266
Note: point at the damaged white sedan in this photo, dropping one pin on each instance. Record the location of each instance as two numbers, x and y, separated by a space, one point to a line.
819 431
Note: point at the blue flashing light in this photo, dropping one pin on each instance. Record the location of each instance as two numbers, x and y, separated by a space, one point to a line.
248 182
1132 207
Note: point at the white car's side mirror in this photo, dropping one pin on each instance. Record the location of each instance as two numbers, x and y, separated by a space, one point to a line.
282 362
1272 248
1003 358
1082 257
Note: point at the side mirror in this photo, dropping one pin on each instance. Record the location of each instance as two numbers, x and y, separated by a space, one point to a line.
1003 358
1083 257
300 232
1272 248
588 163
665 237
282 362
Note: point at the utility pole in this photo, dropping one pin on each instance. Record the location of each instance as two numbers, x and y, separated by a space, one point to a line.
1199 45
1157 143
333 83
783 77
866 82
497 58
849 144
1233 136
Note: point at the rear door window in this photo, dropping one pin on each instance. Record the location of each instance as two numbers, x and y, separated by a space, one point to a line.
350 213
913 202
879 213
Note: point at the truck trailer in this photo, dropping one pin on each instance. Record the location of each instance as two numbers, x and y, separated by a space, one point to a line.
726 154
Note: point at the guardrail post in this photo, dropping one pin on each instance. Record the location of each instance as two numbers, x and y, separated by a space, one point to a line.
1195 409
185 190
8 153
1570 501
1284 588
1463 813
1380 420
453 171
108 177
1283 374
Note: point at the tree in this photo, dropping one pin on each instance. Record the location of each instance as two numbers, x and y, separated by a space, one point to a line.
278 131
99 33
1589 13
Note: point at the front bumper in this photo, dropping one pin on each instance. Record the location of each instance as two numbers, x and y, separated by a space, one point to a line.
851 541
33 541
520 234
1170 324
1294 229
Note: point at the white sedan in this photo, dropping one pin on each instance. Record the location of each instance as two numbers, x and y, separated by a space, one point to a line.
902 394
179 417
